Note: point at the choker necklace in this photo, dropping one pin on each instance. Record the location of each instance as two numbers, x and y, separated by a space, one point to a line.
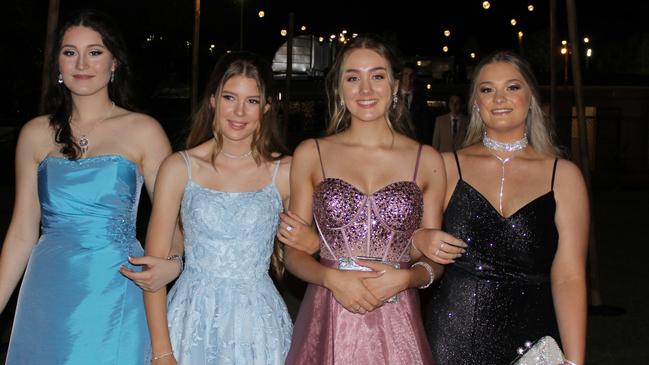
236 157
83 141
492 144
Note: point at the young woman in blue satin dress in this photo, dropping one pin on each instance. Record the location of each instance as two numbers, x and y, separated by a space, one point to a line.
79 172
229 187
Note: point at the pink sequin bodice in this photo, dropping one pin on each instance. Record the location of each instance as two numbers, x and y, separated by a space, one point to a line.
353 224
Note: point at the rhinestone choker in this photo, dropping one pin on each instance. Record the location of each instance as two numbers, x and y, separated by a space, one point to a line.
492 144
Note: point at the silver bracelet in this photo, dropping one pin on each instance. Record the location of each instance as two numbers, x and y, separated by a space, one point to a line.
431 273
178 259
162 355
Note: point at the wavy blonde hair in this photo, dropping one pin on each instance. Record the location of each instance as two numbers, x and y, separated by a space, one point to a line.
396 115
538 126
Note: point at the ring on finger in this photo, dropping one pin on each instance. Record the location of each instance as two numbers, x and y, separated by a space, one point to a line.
289 228
437 252
441 247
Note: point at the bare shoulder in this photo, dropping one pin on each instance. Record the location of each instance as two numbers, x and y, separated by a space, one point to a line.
141 123
306 150
37 128
430 158
173 165
36 138
568 176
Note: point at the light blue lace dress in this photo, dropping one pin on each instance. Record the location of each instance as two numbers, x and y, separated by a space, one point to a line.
224 308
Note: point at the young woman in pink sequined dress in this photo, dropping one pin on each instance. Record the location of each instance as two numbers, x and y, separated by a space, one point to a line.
368 187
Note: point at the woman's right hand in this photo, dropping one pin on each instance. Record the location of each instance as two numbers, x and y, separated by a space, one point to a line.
348 289
438 245
157 272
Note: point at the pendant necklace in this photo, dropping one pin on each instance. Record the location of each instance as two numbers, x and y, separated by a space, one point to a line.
83 141
503 147
236 157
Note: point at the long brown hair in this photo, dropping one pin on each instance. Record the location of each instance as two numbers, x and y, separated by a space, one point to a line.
539 128
58 100
266 142
340 118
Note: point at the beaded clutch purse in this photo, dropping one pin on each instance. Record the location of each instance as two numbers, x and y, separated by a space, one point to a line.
348 263
544 351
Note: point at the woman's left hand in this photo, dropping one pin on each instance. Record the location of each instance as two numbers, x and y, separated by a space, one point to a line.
293 231
392 282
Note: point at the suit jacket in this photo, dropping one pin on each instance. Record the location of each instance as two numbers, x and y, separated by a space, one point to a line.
443 139
420 116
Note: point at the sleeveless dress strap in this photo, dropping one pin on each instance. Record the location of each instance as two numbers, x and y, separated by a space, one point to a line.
317 145
414 176
276 170
188 162
457 162
554 170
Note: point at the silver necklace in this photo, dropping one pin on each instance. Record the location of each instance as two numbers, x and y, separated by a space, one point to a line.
492 144
503 161
236 157
83 141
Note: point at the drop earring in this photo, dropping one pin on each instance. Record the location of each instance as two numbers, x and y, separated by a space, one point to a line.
112 76
395 101
476 108
60 78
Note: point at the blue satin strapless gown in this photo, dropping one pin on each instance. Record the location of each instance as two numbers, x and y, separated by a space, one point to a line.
74 305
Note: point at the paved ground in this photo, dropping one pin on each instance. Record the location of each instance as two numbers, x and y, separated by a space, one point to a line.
622 232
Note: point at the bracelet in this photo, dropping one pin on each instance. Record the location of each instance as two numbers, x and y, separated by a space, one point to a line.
431 274
569 362
178 259
162 355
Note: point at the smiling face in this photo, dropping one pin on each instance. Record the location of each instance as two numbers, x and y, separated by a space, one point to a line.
504 99
366 85
238 108
84 61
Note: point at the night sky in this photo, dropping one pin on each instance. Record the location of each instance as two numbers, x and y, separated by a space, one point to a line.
618 32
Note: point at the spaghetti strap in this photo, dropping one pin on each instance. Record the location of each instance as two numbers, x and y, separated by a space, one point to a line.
554 170
457 162
414 176
317 145
188 162
276 170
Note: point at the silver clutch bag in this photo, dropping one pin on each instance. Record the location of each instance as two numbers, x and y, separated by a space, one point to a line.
348 263
545 351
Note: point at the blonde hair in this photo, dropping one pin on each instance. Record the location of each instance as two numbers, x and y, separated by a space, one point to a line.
396 114
538 126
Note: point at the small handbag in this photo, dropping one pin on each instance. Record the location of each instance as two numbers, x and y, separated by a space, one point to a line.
348 263
544 351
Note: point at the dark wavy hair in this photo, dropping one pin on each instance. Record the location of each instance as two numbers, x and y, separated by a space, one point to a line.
58 101
266 143
340 117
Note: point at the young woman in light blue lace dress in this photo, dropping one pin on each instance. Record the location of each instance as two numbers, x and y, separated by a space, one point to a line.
229 187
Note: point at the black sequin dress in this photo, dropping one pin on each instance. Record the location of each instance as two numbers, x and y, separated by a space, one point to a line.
497 295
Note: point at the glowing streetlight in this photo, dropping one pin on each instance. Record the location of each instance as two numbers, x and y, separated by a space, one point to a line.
303 28
419 63
445 49
447 33
283 32
429 86
564 42
589 52
261 14
472 55
320 39
530 7
513 21
486 5
586 40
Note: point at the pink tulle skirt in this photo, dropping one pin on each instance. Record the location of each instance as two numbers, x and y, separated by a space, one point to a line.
326 333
